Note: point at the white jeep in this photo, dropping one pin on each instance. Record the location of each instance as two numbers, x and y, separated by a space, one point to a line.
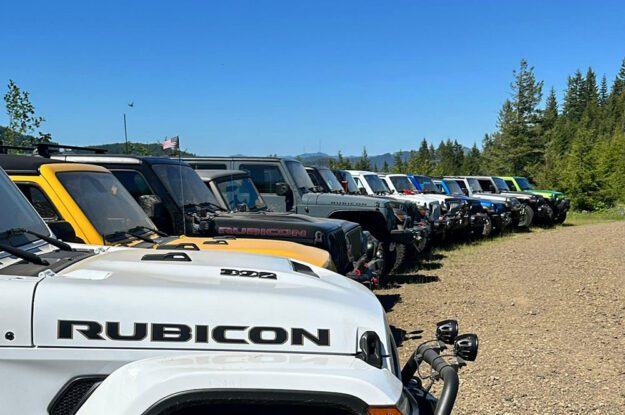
91 331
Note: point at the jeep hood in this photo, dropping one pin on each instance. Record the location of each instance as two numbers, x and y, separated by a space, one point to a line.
548 194
118 299
342 201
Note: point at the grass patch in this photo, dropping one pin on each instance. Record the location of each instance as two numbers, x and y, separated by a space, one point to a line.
599 216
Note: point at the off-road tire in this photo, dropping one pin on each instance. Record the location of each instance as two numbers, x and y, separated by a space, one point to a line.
560 218
487 230
389 254
526 218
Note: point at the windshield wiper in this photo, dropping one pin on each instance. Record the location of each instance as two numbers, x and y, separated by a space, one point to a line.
125 234
147 228
23 254
52 241
214 205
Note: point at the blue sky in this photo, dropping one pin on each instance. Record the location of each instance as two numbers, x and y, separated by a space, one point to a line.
260 76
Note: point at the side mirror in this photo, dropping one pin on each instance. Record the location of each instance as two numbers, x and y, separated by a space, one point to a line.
282 189
64 231
466 192
362 190
242 207
150 205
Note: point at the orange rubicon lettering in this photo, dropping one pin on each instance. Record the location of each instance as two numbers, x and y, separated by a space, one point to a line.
384 410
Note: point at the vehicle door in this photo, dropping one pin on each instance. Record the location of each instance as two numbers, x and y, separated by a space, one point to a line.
152 204
272 183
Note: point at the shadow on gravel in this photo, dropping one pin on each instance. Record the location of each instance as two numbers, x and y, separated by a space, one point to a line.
388 301
401 279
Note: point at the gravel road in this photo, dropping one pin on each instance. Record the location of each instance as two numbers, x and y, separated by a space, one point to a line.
549 307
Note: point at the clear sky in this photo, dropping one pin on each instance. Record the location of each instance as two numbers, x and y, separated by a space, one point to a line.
260 76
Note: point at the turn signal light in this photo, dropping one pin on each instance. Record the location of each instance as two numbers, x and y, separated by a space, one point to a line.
384 410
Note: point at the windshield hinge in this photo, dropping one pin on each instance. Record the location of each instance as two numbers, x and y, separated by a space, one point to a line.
47 273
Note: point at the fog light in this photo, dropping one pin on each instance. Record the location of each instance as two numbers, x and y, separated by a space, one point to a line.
447 331
466 346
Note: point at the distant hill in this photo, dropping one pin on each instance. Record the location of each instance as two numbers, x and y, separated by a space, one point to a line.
321 159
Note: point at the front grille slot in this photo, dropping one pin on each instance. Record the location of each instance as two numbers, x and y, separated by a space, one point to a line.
73 394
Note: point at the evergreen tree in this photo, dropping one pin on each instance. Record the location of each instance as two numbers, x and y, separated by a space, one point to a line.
519 141
341 162
573 98
550 115
363 163
385 167
603 91
619 83
421 161
471 163
398 163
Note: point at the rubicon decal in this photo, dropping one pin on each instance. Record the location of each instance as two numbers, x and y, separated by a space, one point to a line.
290 233
161 332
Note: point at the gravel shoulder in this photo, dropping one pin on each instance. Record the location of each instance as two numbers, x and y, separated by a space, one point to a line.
549 307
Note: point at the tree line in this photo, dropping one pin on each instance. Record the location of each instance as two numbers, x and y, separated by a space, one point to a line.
577 146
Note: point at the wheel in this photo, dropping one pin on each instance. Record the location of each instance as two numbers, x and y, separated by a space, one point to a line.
560 218
402 252
488 227
526 218
388 258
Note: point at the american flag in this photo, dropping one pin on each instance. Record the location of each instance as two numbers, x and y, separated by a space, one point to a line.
171 143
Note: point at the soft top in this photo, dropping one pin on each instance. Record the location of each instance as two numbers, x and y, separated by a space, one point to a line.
14 164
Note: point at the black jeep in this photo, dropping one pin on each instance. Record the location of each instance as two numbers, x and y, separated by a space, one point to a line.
179 203
286 187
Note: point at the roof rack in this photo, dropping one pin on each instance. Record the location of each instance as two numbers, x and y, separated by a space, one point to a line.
4 148
47 149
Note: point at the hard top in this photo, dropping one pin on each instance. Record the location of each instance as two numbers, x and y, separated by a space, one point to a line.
234 158
117 159
360 172
218 174
28 165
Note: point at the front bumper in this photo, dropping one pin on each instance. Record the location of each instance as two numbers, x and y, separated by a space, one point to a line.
501 220
478 220
544 211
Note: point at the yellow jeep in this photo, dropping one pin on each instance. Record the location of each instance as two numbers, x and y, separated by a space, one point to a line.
102 212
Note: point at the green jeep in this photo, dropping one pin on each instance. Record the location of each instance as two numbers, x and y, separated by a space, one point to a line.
558 202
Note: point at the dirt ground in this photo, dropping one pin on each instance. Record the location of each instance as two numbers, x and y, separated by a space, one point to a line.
549 308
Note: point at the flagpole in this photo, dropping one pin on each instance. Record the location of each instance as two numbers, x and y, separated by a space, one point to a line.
184 218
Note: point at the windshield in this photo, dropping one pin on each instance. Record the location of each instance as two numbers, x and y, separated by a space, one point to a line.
241 191
523 183
475 186
300 176
453 187
501 184
402 183
345 176
330 179
17 213
104 201
375 183
193 188
427 184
